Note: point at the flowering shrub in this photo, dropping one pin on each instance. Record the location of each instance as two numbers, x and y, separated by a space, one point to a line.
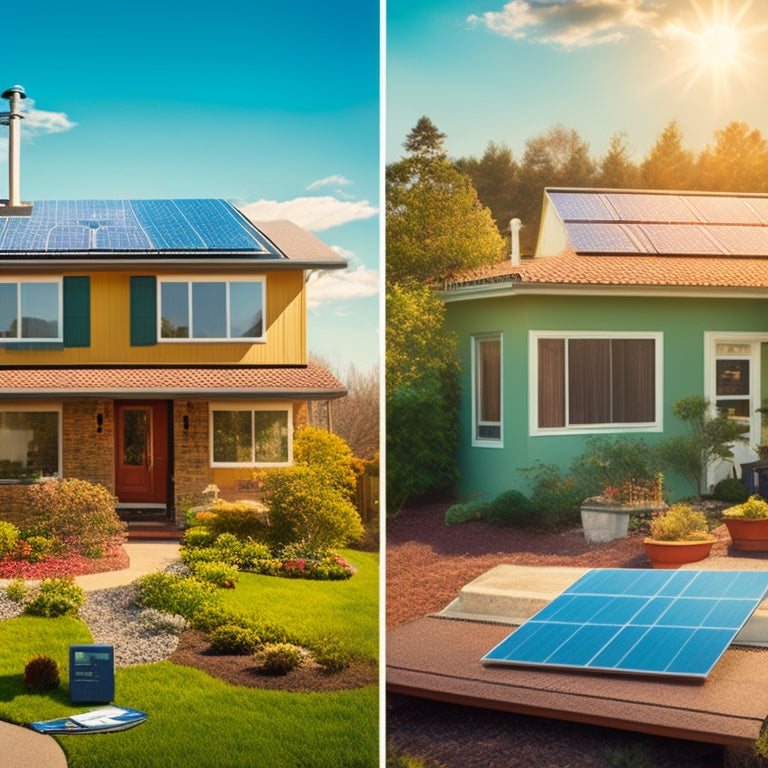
66 565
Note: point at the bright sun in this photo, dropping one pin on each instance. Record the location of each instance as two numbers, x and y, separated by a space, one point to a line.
718 47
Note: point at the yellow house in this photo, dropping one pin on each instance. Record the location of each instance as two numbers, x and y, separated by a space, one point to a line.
152 346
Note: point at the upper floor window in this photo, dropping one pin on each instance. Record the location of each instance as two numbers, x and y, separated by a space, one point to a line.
212 310
30 311
595 382
486 389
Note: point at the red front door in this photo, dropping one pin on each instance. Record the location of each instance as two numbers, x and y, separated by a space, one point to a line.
141 452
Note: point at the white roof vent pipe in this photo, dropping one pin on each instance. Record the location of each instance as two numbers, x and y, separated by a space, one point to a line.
12 119
514 227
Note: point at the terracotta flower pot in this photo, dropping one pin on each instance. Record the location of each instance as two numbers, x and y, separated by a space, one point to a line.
673 554
748 534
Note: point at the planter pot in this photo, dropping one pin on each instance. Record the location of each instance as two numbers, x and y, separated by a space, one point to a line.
673 554
605 522
750 535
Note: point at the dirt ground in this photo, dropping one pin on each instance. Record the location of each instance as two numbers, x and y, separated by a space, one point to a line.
427 563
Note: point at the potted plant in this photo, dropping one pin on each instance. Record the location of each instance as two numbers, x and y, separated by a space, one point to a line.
678 536
606 517
747 524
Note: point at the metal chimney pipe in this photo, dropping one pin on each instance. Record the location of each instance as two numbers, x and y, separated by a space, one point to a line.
14 95
514 227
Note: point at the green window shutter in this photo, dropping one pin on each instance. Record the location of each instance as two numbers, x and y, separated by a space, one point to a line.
77 311
143 311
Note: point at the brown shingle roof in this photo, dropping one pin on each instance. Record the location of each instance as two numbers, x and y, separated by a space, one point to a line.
299 382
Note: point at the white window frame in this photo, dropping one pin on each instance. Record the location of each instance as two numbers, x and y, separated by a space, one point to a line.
227 280
14 407
477 441
592 429
18 282
250 406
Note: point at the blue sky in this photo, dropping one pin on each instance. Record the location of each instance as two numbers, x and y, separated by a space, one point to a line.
273 106
490 70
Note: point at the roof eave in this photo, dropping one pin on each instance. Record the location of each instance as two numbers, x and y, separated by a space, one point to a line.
46 393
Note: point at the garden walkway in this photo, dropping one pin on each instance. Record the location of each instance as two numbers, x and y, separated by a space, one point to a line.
24 748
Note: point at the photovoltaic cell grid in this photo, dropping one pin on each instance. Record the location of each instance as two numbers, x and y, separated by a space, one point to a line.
132 225
646 622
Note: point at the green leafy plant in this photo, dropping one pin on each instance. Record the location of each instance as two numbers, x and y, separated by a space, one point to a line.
754 508
233 639
730 489
330 456
216 572
17 591
709 438
555 499
679 523
9 538
173 594
280 658
306 511
38 548
57 597
41 674
512 508
332 655
241 518
464 513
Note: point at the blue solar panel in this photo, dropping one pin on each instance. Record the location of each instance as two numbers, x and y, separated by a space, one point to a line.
132 225
651 622
580 206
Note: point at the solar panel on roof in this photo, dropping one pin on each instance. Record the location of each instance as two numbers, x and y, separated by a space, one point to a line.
582 206
718 209
647 622
599 238
132 225
650 207
683 240
742 241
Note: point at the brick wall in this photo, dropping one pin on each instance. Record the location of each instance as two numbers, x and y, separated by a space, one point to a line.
87 446
192 471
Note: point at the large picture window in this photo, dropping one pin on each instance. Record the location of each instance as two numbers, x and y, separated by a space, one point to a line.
596 383
212 310
30 311
29 444
486 388
250 436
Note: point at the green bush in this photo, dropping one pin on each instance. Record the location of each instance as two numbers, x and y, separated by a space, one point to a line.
554 499
730 489
513 509
332 655
464 513
173 594
754 508
235 640
329 456
17 591
38 548
57 597
216 572
280 658
78 513
679 523
244 519
304 510
9 538
198 536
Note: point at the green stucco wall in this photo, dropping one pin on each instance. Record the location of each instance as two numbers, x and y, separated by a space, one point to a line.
683 322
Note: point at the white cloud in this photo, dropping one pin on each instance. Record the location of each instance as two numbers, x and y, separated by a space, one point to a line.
329 181
570 24
330 287
313 213
37 121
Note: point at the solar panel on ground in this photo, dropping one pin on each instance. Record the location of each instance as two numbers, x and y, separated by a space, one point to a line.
647 622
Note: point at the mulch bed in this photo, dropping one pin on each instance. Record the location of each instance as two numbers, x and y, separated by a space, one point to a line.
73 565
193 651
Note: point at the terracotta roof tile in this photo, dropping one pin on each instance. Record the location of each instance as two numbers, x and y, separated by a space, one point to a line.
296 382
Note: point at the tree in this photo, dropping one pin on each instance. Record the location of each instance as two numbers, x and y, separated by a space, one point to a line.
556 158
738 161
494 177
668 165
425 140
422 396
436 226
616 168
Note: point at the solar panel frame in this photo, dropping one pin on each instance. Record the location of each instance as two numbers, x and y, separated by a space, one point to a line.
640 622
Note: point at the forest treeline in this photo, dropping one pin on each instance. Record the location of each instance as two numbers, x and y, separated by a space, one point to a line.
735 161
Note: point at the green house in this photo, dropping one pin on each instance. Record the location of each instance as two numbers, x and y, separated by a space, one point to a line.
632 300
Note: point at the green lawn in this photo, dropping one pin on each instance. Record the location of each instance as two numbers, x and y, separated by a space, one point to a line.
196 720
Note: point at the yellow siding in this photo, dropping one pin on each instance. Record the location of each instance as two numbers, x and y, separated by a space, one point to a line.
286 342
